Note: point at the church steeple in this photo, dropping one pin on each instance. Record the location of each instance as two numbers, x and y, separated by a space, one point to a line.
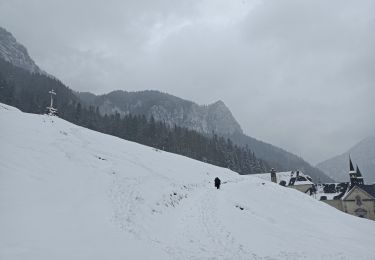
359 176
355 175
351 167
352 173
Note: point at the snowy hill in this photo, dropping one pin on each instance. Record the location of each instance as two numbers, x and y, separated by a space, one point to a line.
70 193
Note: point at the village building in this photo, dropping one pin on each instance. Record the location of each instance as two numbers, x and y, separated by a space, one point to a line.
292 179
354 197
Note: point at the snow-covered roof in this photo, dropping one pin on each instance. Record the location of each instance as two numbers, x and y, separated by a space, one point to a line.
291 178
331 191
334 191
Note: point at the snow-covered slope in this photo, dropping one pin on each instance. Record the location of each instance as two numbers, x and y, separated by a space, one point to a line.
70 193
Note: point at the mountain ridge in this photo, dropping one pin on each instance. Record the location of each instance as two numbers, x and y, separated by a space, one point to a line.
215 117
278 158
362 154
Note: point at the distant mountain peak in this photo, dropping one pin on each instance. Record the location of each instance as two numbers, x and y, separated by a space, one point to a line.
15 53
219 103
362 154
173 110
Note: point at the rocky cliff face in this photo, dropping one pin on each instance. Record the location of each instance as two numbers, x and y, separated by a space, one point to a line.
16 53
164 107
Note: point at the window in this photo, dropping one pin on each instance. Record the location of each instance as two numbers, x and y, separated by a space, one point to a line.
358 200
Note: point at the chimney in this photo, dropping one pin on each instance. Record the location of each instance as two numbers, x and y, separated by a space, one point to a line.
273 175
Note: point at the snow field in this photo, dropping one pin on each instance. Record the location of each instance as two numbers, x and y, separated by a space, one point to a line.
70 193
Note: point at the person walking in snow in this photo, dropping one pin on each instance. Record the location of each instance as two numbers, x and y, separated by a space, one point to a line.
217 183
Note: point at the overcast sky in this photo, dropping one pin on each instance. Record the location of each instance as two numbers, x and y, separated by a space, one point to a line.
297 74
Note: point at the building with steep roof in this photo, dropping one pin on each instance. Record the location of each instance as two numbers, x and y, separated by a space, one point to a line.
292 179
354 197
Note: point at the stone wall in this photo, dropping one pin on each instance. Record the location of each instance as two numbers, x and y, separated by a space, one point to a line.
334 203
302 188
